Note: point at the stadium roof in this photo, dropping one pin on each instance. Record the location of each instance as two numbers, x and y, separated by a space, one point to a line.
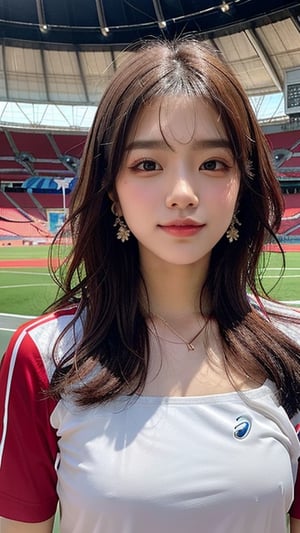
57 56
65 51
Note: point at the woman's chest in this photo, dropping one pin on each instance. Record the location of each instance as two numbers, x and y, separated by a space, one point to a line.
181 453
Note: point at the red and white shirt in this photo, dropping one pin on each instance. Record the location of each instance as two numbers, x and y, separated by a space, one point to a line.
222 463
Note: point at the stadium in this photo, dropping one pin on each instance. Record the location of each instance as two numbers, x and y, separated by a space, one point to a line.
56 59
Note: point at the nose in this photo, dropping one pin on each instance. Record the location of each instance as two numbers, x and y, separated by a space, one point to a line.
182 195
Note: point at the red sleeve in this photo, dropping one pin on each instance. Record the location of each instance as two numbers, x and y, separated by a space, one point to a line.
295 509
28 443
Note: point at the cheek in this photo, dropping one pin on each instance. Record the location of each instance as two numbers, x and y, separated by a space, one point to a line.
223 195
135 195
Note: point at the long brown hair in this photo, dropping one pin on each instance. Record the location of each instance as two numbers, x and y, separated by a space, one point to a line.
103 274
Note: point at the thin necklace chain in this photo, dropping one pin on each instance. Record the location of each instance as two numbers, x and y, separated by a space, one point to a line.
189 344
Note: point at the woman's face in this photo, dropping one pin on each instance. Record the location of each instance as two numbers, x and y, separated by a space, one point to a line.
178 183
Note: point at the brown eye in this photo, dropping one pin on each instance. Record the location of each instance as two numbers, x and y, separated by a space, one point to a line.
213 165
210 165
148 165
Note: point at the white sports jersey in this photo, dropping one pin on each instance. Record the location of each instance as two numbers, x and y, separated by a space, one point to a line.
222 463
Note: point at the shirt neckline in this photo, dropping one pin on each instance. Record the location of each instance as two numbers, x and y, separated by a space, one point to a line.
265 389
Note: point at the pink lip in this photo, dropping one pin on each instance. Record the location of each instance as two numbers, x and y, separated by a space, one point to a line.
182 228
182 222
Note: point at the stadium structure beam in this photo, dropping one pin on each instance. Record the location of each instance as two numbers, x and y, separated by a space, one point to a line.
4 69
213 43
41 16
45 74
101 17
113 59
159 14
264 57
296 21
54 145
81 75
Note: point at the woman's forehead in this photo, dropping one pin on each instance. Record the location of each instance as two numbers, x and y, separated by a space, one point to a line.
177 118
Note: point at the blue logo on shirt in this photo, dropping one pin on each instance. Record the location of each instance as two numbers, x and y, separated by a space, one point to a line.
242 428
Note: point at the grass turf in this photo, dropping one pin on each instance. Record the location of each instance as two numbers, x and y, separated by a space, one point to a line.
23 252
286 288
29 291
25 290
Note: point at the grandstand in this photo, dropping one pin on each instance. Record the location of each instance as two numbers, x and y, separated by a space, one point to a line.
27 214
290 226
24 219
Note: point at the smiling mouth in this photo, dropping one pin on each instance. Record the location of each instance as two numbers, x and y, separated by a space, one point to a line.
182 230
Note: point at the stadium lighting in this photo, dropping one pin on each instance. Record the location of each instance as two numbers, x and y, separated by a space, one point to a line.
162 24
44 28
224 7
159 14
101 17
104 31
41 16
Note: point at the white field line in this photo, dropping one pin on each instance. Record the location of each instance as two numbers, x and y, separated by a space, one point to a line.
287 268
291 302
283 277
32 273
26 285
17 316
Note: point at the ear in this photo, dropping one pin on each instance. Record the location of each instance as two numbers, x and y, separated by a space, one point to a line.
115 206
112 195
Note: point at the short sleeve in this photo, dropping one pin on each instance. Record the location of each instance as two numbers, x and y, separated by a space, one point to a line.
295 509
28 446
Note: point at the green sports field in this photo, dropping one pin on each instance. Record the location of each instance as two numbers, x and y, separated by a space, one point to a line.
28 290
286 288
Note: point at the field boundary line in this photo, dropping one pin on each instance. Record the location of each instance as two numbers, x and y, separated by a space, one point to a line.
283 277
26 285
17 316
30 273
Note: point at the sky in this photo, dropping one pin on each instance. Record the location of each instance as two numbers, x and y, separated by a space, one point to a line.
267 108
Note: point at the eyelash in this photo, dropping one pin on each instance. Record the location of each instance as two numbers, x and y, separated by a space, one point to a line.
225 166
135 166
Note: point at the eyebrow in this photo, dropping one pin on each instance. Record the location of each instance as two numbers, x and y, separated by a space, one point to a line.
162 145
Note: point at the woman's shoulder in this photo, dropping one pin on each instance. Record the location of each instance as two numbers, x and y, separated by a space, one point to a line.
267 306
45 329
44 340
283 316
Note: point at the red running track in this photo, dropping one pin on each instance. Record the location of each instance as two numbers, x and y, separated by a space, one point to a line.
26 263
43 263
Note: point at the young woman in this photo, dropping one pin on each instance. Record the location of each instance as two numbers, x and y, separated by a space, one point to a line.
158 395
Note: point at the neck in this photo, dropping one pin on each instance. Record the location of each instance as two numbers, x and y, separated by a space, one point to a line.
174 291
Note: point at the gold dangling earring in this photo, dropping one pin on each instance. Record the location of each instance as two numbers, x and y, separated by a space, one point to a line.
232 233
123 232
